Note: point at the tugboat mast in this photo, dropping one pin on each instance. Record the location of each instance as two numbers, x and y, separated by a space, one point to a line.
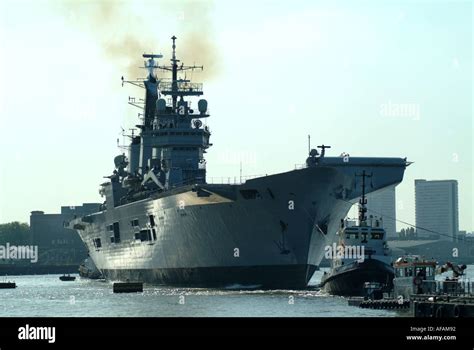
363 200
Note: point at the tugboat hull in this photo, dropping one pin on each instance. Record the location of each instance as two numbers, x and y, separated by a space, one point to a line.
349 280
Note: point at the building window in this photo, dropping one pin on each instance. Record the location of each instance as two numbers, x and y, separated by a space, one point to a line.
134 223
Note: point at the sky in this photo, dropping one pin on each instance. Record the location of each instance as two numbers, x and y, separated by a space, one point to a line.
370 78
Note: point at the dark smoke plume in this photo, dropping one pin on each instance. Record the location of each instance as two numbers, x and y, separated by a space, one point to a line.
124 33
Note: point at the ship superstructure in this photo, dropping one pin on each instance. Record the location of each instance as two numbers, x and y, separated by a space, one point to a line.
169 151
163 223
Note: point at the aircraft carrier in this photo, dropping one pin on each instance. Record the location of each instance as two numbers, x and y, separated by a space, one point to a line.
162 223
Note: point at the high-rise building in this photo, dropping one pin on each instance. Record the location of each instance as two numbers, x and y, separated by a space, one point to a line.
436 209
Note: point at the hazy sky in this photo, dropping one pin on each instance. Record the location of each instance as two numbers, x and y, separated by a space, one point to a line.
370 78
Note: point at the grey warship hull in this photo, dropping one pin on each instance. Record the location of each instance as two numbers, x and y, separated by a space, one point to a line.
350 280
269 232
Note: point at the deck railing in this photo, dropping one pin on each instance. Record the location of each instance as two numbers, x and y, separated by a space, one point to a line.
232 180
464 287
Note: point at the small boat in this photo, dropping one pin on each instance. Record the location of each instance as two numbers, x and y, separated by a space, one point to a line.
413 275
128 287
6 285
67 278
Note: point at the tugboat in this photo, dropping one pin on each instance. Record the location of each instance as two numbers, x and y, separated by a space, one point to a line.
362 256
67 277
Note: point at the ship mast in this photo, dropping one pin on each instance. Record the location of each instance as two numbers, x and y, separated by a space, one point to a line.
363 200
174 68
174 78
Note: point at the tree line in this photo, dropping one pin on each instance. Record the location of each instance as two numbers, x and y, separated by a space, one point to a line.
15 233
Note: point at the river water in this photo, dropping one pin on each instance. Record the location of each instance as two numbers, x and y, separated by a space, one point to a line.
46 295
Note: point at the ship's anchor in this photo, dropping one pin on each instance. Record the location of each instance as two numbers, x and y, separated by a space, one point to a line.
281 244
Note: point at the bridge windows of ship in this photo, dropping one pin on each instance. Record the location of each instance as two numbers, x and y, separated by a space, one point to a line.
364 237
354 235
166 133
376 235
134 223
184 133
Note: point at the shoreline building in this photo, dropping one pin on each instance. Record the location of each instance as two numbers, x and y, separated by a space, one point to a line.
436 209
56 244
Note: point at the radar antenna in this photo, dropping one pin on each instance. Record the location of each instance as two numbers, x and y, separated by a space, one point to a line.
150 64
323 149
